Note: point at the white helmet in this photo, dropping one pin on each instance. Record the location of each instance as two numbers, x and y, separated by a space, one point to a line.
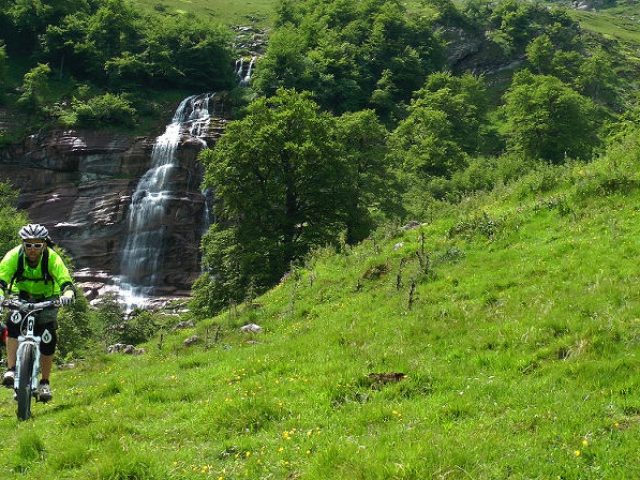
33 230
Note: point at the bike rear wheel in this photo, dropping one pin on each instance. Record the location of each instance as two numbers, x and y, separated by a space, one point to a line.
23 393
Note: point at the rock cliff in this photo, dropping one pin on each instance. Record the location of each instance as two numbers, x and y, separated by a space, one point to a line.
79 184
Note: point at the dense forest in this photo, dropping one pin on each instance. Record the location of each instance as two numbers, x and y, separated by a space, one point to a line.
361 113
90 62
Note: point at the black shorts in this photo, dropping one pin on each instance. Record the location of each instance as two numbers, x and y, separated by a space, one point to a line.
46 332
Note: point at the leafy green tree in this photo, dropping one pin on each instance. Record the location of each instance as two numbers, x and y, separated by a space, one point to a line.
565 65
547 119
284 64
63 44
597 78
35 87
443 126
383 98
100 43
225 279
285 13
138 328
424 144
477 13
372 189
28 18
140 49
283 189
540 54
462 99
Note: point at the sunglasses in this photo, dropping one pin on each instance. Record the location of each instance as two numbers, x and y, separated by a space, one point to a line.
33 245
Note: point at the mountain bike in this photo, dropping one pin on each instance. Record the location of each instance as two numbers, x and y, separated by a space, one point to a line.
28 355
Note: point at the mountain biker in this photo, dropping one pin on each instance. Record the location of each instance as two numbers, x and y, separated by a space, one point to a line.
35 272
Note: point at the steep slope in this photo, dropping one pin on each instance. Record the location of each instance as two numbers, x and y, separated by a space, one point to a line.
514 357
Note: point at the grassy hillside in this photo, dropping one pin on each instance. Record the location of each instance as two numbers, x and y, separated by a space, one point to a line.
519 346
621 23
230 12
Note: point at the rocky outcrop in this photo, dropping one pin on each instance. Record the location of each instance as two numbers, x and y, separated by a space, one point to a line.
79 184
250 40
468 50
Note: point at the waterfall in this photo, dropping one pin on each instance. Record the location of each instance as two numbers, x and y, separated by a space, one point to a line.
244 77
143 251
239 68
247 78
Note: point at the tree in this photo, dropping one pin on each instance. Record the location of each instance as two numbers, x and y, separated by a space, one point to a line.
35 87
364 143
282 190
540 54
443 126
424 144
284 63
597 78
462 99
383 97
547 119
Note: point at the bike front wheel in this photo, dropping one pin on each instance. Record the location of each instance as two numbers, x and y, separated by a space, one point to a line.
23 393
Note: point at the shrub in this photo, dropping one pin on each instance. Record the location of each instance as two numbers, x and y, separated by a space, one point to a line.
74 330
35 87
108 318
10 218
138 329
107 109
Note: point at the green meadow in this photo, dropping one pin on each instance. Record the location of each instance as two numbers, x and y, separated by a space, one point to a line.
229 12
498 339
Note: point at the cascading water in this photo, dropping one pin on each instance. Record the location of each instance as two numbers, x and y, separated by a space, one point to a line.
247 78
243 73
240 68
143 251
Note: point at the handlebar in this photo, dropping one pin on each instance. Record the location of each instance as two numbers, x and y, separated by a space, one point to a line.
23 306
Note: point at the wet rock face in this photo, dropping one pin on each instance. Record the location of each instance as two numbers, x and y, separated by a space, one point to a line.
79 185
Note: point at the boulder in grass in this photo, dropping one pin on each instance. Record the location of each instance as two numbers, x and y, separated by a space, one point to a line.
251 328
185 324
191 340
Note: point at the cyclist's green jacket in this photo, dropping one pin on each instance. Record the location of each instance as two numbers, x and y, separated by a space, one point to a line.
33 281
